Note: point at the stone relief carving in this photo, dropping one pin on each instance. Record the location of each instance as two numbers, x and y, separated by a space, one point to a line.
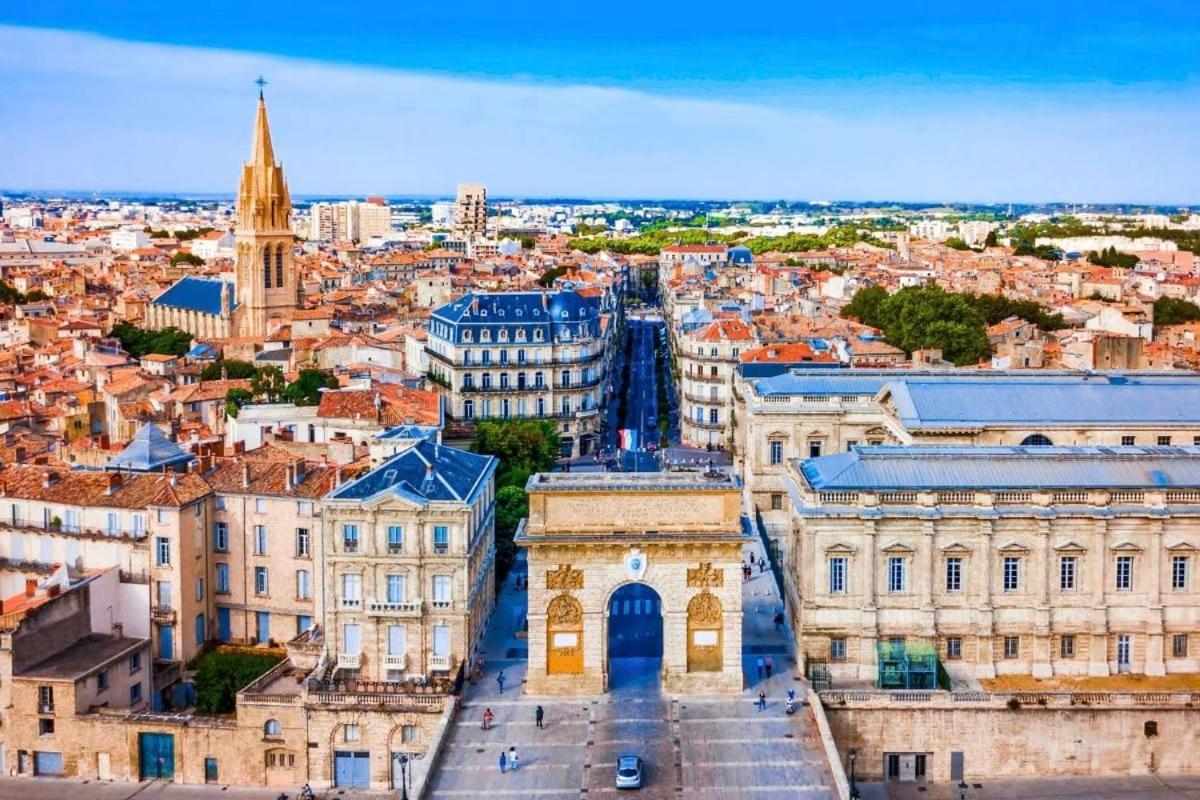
705 577
564 611
705 610
564 578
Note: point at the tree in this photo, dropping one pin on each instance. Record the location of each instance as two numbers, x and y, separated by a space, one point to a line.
230 369
955 243
1112 258
186 258
512 505
268 383
992 240
922 317
1169 311
306 389
220 675
234 400
551 275
865 306
528 242
138 342
522 446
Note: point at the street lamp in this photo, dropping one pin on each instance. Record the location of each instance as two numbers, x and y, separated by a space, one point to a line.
403 777
852 754
962 790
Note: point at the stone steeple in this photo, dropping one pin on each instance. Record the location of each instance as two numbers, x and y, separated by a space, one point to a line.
266 276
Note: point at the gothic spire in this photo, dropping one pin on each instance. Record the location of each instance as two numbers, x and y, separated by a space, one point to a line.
263 199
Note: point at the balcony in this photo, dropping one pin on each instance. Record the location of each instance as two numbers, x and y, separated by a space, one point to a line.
441 605
45 708
386 608
350 604
163 615
552 362
349 660
696 376
708 426
708 401
395 661
441 548
439 663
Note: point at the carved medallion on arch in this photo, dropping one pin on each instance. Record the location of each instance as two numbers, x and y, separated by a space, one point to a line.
563 579
706 632
564 636
705 577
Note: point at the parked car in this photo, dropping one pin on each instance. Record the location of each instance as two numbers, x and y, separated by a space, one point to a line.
629 772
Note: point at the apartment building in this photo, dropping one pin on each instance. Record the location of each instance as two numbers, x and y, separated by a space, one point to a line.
471 210
526 355
708 360
409 551
1012 560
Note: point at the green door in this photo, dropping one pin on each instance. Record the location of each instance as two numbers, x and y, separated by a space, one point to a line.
156 756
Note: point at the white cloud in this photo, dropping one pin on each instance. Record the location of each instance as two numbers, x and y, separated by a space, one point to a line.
83 111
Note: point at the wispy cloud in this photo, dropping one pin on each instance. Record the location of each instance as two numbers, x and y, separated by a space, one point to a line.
83 111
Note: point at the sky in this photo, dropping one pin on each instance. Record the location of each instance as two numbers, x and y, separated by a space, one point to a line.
939 101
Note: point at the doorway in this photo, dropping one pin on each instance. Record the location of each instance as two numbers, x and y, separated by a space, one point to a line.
635 638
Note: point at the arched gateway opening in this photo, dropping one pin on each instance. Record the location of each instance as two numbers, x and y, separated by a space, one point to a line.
635 637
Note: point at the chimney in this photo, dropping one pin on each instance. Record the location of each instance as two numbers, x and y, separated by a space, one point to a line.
245 475
30 587
104 441
114 483
118 630
52 590
239 447
300 470
174 478
337 478
291 475
48 479
20 454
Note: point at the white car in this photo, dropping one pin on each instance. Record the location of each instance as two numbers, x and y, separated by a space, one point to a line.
629 772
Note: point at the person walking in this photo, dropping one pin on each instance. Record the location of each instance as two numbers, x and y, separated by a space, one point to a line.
538 714
762 701
500 681
762 667
779 621
503 762
513 761
762 565
770 666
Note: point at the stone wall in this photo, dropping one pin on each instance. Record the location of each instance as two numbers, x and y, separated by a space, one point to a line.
1111 735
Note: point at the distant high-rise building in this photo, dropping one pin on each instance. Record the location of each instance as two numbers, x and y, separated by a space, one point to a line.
470 209
350 221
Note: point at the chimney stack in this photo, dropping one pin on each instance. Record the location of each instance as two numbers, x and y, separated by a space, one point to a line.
30 587
114 483
48 479
245 475
291 475
118 630
20 454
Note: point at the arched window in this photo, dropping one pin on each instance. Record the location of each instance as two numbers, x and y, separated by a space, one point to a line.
267 267
272 728
1036 440
278 265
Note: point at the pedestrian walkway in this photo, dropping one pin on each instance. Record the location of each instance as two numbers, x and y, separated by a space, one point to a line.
1140 787
694 747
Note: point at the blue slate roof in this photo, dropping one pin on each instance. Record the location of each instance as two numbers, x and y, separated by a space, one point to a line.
428 432
892 468
554 313
196 294
150 451
801 382
741 255
456 476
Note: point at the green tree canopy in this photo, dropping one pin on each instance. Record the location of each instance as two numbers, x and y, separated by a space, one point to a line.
232 369
138 342
235 399
1112 258
220 675
306 389
920 317
1169 311
524 446
268 383
186 258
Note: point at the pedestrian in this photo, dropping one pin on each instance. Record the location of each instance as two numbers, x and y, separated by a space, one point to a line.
762 667
762 565
779 621
538 714
762 701
503 762
770 666
500 681
512 759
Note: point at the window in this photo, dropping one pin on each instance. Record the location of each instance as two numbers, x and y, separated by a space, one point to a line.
221 537
303 543
1012 646
260 540
350 733
1179 645
408 734
199 589
200 629
222 579
441 640
1124 573
1127 441
267 267
851 444
713 416
135 663
272 728
45 699
441 539
1179 572
351 588
776 452
837 649
102 680
1066 646
162 551
953 648
260 581
441 588
303 584
45 727
896 574
468 409
837 575
776 501
395 588
304 507
814 449
954 574
135 693
1164 441
1066 573
114 523
1012 573
350 538
395 539
161 515
260 505
397 640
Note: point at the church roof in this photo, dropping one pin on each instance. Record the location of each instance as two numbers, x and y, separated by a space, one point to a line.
195 294
150 451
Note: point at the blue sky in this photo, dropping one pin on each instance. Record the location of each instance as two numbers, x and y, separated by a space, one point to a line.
940 101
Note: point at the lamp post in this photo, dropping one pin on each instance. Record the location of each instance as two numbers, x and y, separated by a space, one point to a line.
852 754
962 790
403 777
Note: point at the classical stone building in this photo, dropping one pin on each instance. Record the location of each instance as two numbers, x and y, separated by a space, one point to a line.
1041 561
590 535
708 361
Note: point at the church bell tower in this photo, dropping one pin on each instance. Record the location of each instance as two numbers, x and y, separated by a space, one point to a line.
266 274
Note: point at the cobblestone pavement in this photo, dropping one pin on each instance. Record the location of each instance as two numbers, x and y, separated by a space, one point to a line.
701 748
1141 787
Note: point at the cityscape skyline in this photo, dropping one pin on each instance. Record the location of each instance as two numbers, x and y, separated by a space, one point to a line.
882 128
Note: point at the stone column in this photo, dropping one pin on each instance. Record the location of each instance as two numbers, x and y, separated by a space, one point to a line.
1155 638
868 665
1098 569
1041 667
985 665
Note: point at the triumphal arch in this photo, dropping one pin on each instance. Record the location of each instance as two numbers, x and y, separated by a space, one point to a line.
675 539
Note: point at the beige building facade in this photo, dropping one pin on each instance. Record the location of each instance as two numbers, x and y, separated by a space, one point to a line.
589 535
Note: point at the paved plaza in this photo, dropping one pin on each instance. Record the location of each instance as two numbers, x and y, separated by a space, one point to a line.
1141 787
704 748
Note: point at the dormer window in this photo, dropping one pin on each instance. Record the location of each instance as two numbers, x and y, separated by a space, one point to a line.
503 335
520 334
485 335
466 336
537 335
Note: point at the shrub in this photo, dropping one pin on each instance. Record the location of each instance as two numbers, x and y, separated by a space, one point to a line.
221 674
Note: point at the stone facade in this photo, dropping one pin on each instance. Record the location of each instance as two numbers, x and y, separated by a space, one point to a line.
588 535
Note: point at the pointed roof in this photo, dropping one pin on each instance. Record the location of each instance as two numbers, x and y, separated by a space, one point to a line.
263 199
150 451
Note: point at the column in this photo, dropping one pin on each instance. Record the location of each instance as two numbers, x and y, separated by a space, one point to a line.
1098 569
868 666
1041 667
985 666
1153 570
